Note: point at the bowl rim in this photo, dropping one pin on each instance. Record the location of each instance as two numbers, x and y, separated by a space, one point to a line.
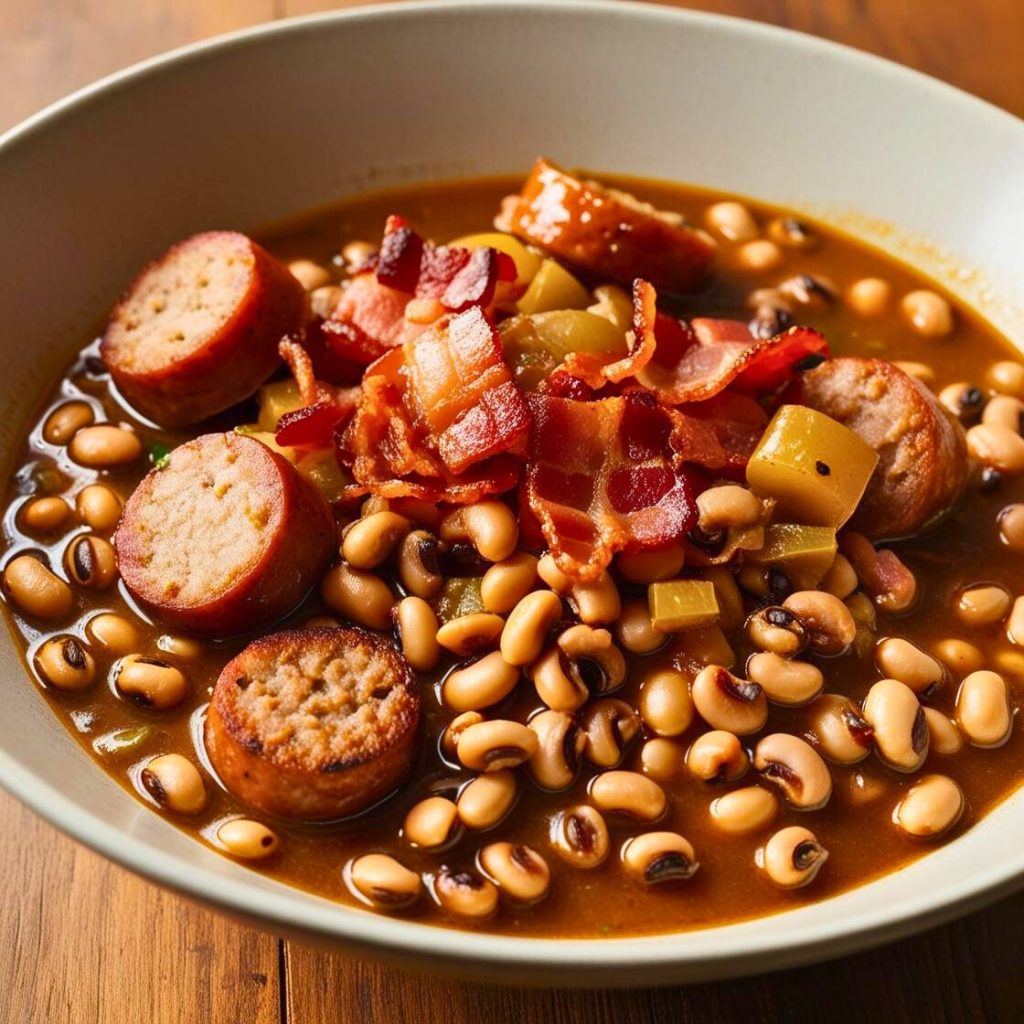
726 945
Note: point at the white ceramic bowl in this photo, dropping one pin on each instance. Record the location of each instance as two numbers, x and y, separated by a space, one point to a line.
250 128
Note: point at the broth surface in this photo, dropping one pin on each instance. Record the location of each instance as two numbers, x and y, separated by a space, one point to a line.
856 825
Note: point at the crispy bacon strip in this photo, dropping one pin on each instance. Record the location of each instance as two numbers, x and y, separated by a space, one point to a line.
718 353
301 366
602 477
597 370
608 232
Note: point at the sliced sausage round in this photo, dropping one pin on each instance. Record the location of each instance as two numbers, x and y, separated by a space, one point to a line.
314 724
227 537
922 466
198 330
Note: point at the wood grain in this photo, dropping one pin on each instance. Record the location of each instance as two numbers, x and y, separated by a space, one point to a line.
81 940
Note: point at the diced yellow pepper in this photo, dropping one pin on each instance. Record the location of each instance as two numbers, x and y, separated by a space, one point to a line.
275 400
461 596
698 648
527 262
553 287
682 604
562 331
614 304
815 468
804 552
267 437
322 470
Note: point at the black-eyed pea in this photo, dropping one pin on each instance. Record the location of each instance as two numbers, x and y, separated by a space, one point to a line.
983 709
963 400
104 446
520 872
1011 526
98 507
465 893
383 882
490 526
66 420
796 768
863 789
811 290
558 685
597 603
658 857
928 313
636 631
881 574
590 655
996 447
628 793
492 746
63 663
759 255
1015 622
662 759
744 810
792 233
431 824
524 634
369 541
841 579
35 590
777 630
356 254
486 800
90 562
309 274
732 220
726 506
943 736
897 658
555 763
644 567
1004 411
469 635
900 729
150 681
840 731
507 582
481 684
114 633
174 782
418 567
717 756
579 835
43 516
919 371
609 726
454 729
959 656
828 622
726 702
179 646
785 680
417 631
792 857
358 595
324 301
1007 377
548 571
666 707
869 296
983 604
247 839
930 808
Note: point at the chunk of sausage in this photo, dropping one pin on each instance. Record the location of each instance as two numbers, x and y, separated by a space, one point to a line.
922 465
226 538
608 232
198 330
314 724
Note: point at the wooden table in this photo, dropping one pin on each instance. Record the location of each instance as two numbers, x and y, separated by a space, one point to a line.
82 940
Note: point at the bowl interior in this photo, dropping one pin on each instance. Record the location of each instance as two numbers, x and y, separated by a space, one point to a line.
251 129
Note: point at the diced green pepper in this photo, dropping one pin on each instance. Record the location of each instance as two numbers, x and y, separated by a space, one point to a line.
815 468
804 552
275 400
461 596
682 604
322 470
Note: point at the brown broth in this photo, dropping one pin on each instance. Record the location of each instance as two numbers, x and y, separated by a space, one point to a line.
855 826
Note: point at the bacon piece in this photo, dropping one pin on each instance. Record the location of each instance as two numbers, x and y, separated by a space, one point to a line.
608 232
737 423
602 477
716 353
317 425
597 370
